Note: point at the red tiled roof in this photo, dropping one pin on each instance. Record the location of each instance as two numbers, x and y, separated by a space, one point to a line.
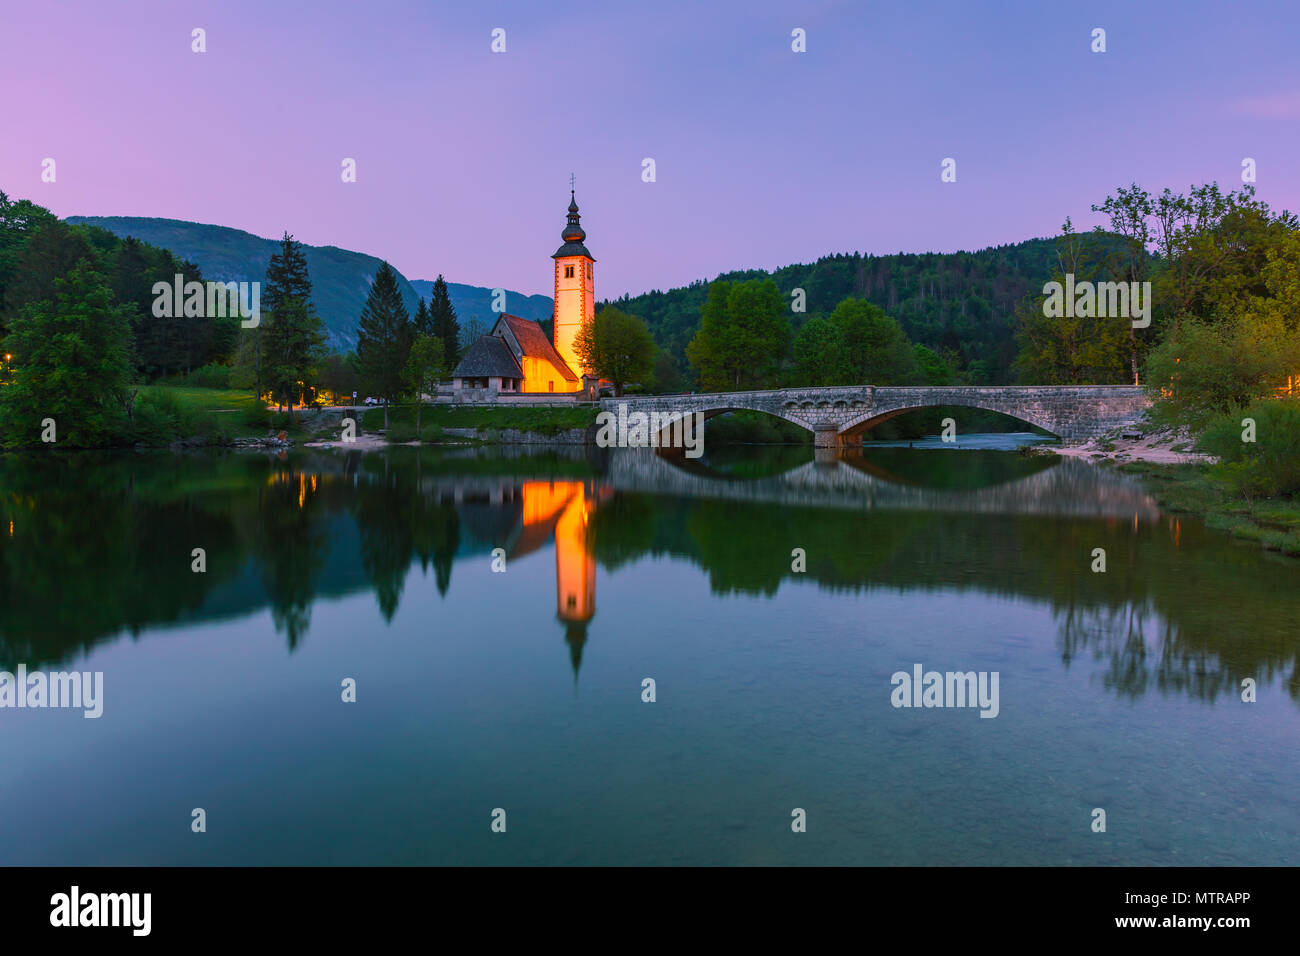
536 344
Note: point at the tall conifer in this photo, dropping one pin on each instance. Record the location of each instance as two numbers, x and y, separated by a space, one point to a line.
384 338
445 324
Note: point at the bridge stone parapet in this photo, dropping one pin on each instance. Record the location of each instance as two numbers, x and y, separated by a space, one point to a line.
839 416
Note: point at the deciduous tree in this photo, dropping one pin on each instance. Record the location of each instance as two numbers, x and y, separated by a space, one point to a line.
616 346
424 368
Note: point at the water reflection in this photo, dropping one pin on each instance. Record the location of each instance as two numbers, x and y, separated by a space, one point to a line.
97 547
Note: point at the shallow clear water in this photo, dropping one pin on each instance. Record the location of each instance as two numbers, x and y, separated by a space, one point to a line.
522 690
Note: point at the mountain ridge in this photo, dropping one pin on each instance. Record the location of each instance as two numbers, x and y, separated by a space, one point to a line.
340 277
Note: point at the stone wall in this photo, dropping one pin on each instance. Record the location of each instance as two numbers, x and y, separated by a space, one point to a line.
513 436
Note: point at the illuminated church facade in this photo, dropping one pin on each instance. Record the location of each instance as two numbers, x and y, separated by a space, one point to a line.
516 356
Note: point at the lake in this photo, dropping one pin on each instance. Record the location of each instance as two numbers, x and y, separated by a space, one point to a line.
499 611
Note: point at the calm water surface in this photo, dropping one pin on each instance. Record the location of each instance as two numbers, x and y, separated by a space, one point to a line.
523 690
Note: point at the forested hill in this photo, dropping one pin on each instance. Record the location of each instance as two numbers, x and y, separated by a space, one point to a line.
960 300
475 302
340 277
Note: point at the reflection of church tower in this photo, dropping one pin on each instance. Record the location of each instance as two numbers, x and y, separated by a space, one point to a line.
564 508
575 289
575 576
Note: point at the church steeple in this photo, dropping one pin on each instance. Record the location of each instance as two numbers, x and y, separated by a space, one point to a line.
575 287
573 234
572 231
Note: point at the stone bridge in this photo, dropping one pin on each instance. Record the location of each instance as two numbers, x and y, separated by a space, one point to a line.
839 416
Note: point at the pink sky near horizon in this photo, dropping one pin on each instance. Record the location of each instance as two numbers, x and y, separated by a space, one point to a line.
764 157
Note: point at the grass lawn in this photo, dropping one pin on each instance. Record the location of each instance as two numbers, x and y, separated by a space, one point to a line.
204 399
229 412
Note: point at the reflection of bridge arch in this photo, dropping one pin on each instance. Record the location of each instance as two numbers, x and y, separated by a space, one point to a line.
1011 467
1064 487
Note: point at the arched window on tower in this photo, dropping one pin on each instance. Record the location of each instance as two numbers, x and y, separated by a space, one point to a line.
568 272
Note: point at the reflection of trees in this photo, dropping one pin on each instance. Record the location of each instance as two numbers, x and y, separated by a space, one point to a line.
99 545
752 556
1139 653
291 548
437 537
384 520
1178 611
84 551
623 529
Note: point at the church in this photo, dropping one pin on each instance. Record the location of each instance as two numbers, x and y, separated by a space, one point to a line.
516 357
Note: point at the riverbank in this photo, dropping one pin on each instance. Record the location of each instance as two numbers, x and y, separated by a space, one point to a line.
1141 443
488 423
1179 478
1188 489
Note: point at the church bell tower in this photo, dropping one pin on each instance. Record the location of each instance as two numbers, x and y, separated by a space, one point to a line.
575 289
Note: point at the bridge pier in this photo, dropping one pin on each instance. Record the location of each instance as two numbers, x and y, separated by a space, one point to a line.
826 436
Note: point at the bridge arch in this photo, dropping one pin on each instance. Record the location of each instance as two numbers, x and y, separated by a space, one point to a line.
713 411
868 420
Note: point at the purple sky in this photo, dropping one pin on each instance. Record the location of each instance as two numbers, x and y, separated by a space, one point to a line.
764 157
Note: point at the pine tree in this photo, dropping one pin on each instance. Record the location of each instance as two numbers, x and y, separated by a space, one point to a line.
445 325
287 275
423 321
384 339
295 336
286 278
294 342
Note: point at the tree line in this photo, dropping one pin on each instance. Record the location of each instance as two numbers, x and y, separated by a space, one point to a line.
81 335
397 354
960 303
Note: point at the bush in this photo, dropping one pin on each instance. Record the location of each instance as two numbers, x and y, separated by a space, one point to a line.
282 422
1267 466
159 419
256 417
1208 370
209 376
